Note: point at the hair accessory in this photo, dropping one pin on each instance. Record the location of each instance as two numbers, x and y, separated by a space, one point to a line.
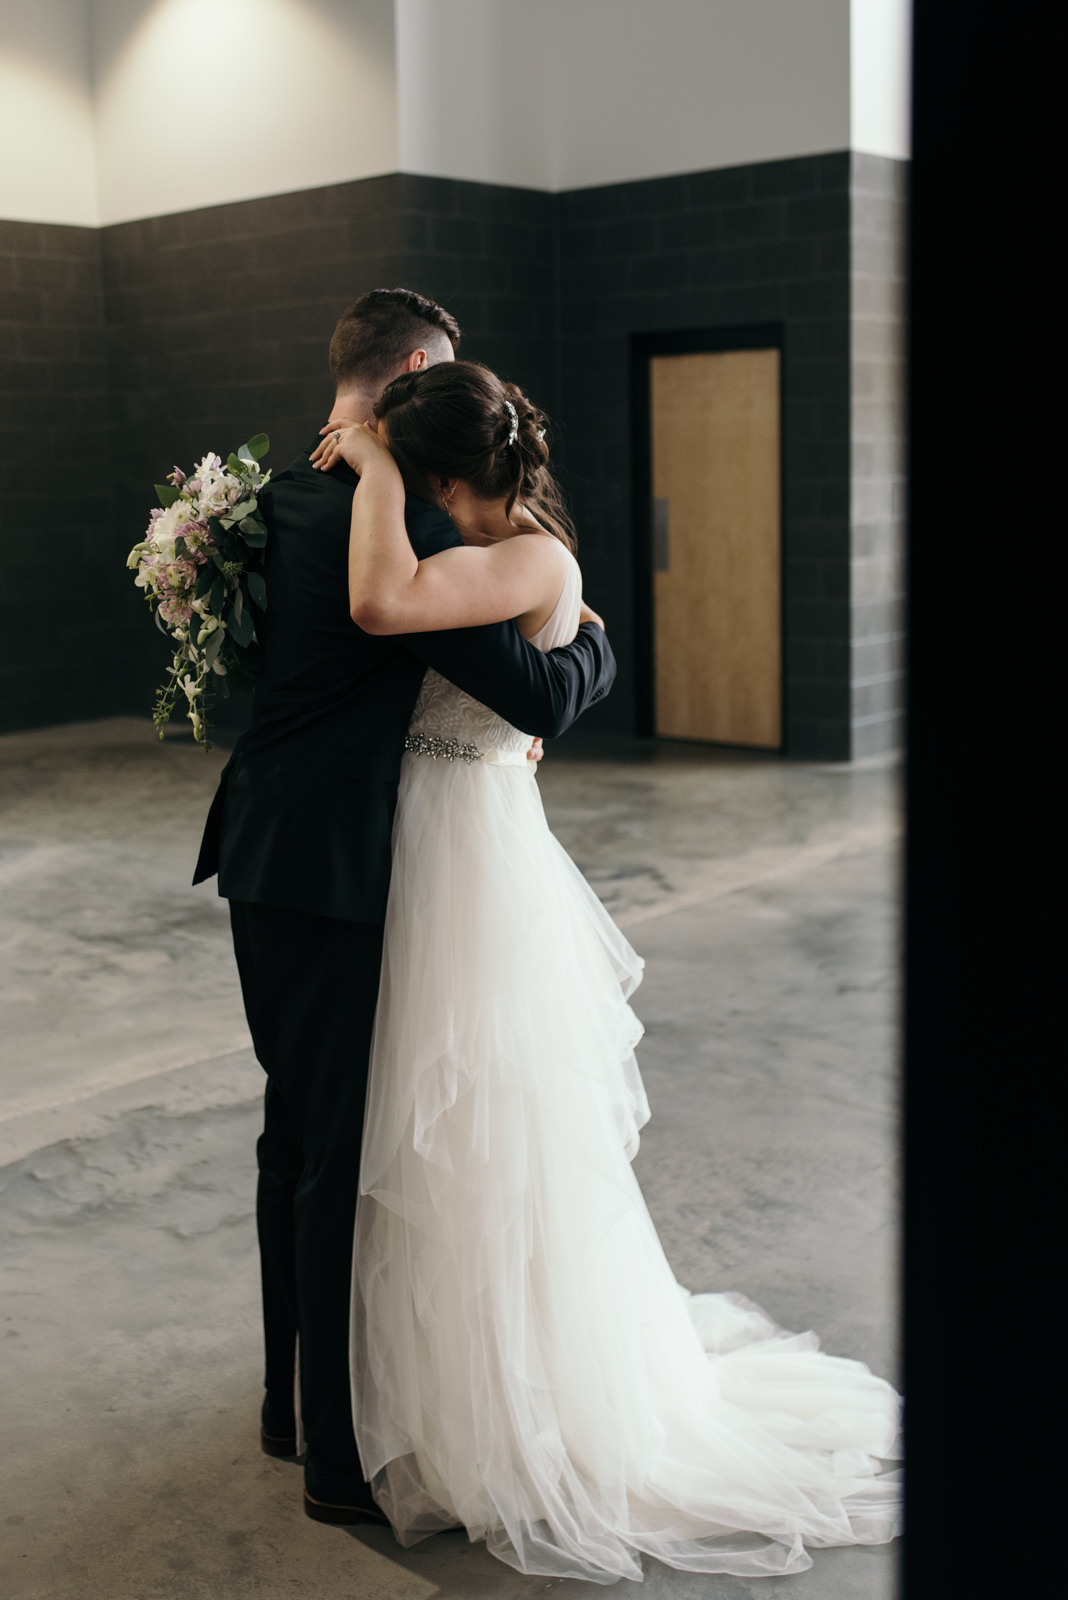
541 434
513 413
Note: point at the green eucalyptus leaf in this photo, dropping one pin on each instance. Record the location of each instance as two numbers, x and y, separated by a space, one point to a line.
180 546
258 446
211 649
257 590
205 578
254 533
216 557
218 595
240 626
233 463
167 495
245 509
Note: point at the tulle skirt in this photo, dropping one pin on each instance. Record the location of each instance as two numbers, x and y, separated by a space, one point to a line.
523 1361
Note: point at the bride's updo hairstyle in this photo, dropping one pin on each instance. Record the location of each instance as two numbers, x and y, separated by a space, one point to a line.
458 420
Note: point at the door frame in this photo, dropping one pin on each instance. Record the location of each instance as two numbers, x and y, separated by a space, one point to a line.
686 342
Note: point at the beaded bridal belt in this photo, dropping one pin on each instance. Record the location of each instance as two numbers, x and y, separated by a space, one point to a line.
428 744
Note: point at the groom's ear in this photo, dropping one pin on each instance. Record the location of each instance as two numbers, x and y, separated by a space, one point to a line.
416 361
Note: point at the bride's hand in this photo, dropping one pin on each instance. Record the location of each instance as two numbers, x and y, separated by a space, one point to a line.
588 615
359 445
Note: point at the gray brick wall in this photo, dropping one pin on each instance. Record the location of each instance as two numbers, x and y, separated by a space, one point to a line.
56 559
216 327
756 244
877 421
218 323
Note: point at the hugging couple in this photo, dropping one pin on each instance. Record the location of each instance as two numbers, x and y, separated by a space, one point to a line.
490 1335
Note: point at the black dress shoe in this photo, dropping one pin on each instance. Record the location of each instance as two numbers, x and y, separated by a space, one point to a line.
344 1516
271 1446
278 1429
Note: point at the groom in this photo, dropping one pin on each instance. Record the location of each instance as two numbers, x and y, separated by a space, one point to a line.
299 833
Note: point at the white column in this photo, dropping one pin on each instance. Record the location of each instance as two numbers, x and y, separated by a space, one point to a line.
880 75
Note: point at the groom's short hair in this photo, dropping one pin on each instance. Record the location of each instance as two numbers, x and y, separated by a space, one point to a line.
380 329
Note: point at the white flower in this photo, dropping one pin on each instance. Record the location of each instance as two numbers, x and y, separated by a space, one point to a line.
210 625
166 529
219 489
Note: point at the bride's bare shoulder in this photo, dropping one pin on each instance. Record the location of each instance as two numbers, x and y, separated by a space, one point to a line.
537 545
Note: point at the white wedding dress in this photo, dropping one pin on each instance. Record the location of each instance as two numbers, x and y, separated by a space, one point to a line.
524 1363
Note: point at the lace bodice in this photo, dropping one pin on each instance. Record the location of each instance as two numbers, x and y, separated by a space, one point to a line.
449 723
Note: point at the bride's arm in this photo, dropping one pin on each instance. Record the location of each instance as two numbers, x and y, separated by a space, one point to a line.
390 591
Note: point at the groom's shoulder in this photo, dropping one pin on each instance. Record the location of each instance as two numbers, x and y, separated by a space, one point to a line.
340 481
303 491
299 498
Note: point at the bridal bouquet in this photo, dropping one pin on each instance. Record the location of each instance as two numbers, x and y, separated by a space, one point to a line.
199 567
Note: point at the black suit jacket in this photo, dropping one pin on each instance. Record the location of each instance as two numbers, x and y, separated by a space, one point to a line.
303 815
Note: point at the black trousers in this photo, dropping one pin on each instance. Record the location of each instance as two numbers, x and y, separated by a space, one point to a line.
310 986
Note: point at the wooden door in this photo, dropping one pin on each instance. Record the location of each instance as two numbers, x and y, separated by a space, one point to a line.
716 547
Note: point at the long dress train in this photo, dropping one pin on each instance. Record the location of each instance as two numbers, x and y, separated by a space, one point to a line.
524 1362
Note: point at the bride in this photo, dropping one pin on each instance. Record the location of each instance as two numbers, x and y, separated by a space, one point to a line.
523 1361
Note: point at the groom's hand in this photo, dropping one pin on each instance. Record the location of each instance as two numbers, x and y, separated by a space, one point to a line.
536 751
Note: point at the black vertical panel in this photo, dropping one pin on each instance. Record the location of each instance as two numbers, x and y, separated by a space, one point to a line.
984 948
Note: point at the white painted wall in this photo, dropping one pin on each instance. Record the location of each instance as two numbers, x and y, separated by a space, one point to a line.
683 85
47 158
204 101
564 94
476 89
880 75
114 109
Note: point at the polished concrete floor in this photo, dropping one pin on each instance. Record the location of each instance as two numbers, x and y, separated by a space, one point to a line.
761 894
